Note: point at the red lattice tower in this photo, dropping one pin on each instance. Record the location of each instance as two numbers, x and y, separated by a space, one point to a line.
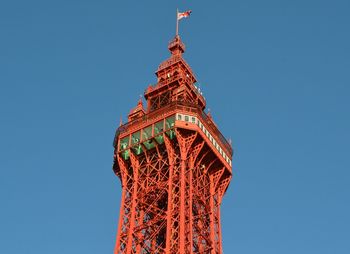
174 166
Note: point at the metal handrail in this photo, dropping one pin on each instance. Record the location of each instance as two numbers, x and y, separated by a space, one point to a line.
174 42
172 60
163 83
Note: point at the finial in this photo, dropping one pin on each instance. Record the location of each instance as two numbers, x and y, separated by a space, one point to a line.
140 100
121 121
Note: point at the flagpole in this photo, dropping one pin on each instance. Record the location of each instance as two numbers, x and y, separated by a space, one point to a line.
177 22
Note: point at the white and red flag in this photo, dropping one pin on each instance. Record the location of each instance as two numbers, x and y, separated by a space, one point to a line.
181 15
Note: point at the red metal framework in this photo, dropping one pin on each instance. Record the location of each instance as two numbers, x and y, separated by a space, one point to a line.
174 166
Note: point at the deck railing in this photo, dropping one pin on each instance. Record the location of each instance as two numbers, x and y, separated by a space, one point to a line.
172 108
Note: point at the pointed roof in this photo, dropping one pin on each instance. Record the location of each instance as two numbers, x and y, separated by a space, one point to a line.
137 111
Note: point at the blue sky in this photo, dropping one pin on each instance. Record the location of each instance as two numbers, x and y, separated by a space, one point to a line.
276 78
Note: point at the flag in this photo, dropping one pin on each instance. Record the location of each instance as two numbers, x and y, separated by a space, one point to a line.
185 14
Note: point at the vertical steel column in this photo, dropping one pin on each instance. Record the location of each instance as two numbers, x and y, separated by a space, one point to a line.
121 219
182 202
124 183
212 213
170 205
135 166
191 168
171 160
219 229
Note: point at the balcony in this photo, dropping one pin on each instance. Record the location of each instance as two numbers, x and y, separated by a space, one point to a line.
168 110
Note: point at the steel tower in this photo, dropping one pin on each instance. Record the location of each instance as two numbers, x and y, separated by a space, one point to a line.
174 166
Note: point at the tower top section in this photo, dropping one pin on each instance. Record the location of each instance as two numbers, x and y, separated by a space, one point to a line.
175 81
176 46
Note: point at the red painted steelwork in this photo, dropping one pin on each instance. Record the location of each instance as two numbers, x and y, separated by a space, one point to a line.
174 166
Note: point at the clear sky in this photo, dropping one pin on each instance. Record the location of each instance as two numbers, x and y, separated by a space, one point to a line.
276 78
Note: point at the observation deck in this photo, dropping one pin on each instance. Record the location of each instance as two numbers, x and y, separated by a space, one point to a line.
178 115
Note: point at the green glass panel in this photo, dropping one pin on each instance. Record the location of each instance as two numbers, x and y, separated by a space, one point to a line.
147 133
135 137
126 154
169 122
137 149
158 127
149 144
171 134
124 143
159 139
